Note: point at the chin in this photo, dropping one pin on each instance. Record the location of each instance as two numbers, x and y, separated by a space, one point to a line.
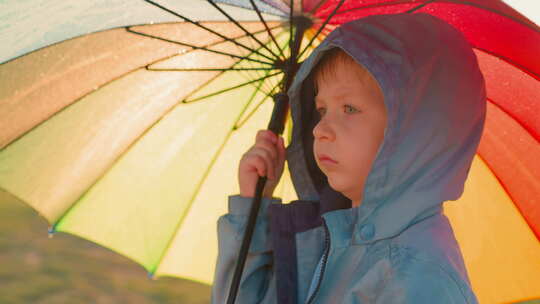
334 185
339 187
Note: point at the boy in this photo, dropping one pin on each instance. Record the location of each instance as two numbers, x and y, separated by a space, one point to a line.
396 104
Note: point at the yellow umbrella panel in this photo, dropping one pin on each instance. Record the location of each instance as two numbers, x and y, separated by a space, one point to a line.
120 143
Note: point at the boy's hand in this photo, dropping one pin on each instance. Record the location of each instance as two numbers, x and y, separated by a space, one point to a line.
265 158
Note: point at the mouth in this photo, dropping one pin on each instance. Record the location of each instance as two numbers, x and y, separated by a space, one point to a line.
325 159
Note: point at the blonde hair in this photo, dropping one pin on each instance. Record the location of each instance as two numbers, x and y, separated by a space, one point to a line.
331 60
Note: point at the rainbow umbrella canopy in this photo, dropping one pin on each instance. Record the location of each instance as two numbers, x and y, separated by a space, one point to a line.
123 122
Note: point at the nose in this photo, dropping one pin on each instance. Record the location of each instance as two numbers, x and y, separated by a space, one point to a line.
323 130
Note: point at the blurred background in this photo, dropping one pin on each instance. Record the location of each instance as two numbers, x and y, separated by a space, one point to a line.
67 269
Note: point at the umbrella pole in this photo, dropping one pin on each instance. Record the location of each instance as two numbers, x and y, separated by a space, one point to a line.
276 125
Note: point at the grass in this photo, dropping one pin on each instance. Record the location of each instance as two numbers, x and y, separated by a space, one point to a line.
68 269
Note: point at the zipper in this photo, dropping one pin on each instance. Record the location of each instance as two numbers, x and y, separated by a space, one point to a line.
323 266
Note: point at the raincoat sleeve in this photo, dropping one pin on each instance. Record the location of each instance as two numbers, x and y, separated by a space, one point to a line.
258 283
421 281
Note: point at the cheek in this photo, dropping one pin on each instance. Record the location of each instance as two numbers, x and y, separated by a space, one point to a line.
365 143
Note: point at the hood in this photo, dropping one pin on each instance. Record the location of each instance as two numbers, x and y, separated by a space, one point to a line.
435 98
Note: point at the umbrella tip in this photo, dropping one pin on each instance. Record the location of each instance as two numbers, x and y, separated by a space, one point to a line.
51 231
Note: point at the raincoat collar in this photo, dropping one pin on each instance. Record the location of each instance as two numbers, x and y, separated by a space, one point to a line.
416 169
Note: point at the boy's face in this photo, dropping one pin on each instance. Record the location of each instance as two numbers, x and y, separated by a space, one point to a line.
353 119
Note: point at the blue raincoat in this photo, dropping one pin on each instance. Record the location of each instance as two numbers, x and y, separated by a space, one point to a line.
397 246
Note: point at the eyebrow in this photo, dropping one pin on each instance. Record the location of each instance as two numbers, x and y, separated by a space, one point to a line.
339 96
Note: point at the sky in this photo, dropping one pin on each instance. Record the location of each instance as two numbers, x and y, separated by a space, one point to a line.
528 8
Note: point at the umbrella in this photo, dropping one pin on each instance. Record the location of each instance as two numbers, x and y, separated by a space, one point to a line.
123 122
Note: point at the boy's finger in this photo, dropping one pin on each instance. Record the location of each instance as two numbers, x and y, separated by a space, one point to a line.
263 164
270 164
268 147
266 135
272 136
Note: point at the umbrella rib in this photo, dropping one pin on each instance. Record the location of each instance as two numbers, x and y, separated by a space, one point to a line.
219 74
210 69
251 98
453 1
321 28
272 3
523 68
248 64
419 6
207 29
536 29
291 29
269 95
197 47
509 61
188 51
241 27
374 5
269 42
267 28
240 5
231 88
259 75
119 76
53 225
175 232
514 118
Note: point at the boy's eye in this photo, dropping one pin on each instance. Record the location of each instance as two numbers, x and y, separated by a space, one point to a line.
320 110
348 106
